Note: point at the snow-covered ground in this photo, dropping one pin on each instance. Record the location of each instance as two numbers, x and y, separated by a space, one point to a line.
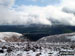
44 52
28 48
32 49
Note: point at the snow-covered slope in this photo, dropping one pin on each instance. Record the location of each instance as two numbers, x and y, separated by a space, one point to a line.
9 36
68 37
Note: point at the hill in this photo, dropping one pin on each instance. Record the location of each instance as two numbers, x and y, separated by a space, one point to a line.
68 37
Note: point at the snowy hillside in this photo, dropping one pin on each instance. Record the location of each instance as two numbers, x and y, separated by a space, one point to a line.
68 37
9 36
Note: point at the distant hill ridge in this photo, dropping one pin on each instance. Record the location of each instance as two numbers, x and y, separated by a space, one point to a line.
35 32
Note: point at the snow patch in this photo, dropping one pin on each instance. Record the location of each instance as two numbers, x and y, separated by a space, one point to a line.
9 35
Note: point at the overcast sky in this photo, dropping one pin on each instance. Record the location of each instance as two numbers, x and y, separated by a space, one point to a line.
48 12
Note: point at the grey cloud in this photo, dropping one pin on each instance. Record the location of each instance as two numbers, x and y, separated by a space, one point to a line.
69 10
